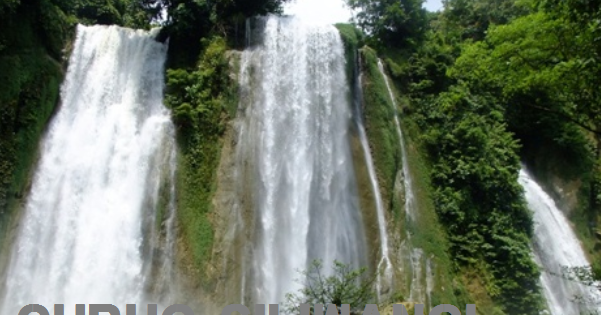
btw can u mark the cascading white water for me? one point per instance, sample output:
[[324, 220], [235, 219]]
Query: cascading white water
[[384, 265], [295, 137], [83, 236], [410, 207], [429, 281], [417, 292], [556, 247]]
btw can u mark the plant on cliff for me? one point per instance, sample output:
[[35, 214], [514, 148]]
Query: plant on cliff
[[199, 98], [343, 285], [474, 172]]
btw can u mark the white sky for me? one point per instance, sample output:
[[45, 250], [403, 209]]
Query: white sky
[[433, 5], [333, 11], [319, 11]]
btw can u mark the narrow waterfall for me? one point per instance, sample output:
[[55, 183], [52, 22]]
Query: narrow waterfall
[[410, 206], [89, 232], [429, 282], [417, 292], [294, 137], [556, 247], [384, 278]]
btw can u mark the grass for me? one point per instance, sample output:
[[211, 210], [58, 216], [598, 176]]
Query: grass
[[196, 178]]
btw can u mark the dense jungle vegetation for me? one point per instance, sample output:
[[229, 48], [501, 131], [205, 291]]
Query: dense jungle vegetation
[[489, 84]]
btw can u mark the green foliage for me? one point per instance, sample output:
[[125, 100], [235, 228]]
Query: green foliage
[[33, 34], [129, 13], [196, 96], [471, 18], [474, 172], [424, 72], [100, 11], [487, 68], [391, 22], [199, 100], [426, 231], [379, 113], [352, 39], [537, 61], [544, 69], [191, 20], [22, 120], [351, 36], [474, 166], [528, 54], [344, 285]]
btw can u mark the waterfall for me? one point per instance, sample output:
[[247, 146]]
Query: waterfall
[[417, 292], [556, 247], [410, 206], [89, 232], [294, 139], [429, 281], [385, 277]]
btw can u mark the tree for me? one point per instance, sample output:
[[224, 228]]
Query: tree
[[398, 23], [344, 286], [548, 63], [473, 17], [190, 20]]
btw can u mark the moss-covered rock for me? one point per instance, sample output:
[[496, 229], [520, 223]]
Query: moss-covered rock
[[201, 98]]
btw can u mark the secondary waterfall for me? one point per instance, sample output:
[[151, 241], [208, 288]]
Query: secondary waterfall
[[556, 247], [384, 278], [89, 232], [410, 206], [295, 137], [416, 255]]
